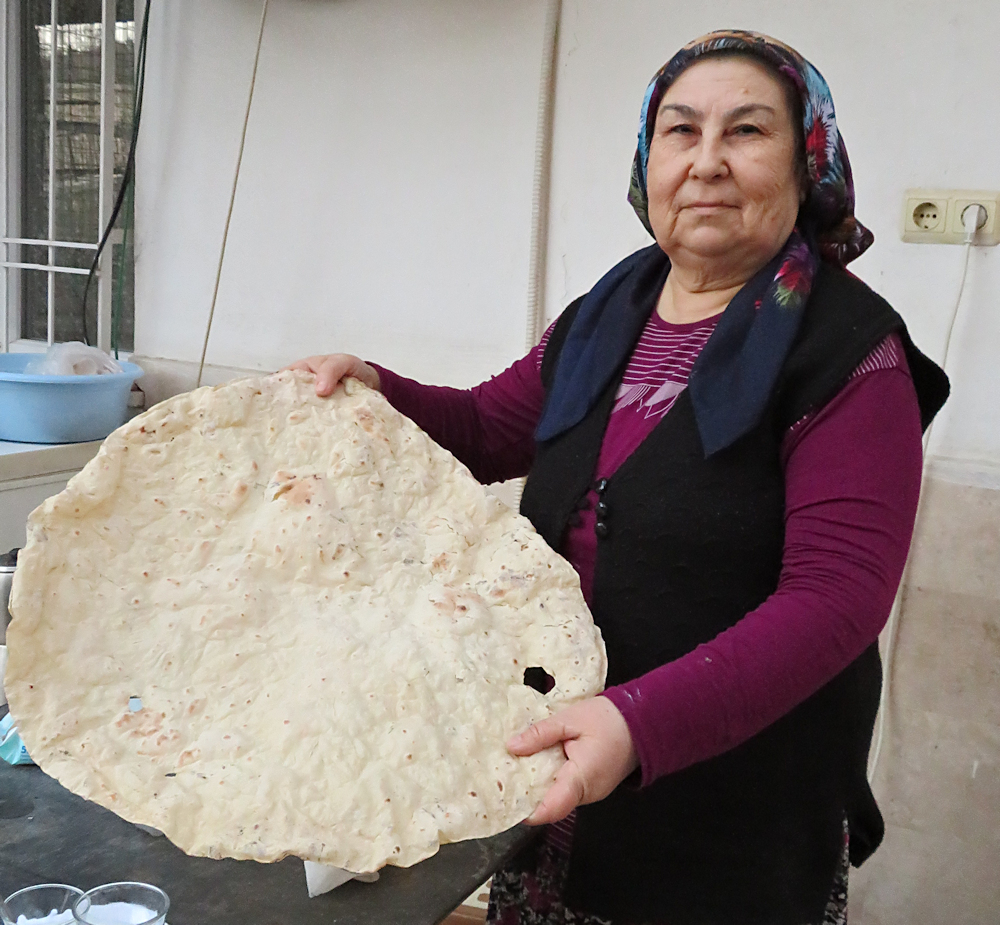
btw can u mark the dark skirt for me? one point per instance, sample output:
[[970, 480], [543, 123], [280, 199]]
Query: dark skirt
[[529, 890]]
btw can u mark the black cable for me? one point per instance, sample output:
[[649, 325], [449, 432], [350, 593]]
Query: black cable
[[140, 79]]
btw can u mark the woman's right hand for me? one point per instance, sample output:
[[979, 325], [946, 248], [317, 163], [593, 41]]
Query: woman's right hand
[[333, 367]]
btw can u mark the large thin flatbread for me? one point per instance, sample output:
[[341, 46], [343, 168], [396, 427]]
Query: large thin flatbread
[[325, 618]]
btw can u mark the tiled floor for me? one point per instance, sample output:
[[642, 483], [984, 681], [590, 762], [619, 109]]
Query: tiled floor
[[473, 910], [939, 779]]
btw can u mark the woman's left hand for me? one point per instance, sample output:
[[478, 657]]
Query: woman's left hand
[[598, 746]]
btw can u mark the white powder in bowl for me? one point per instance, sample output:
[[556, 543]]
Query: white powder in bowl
[[53, 918], [118, 914]]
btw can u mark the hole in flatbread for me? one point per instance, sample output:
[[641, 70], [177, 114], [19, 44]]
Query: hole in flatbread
[[135, 703], [539, 679]]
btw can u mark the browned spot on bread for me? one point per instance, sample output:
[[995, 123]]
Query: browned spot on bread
[[366, 419]]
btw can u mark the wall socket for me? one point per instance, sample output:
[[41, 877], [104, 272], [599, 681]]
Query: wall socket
[[934, 216]]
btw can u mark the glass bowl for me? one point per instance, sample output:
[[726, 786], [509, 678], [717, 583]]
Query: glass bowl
[[125, 903], [40, 902]]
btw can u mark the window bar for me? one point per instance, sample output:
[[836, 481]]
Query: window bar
[[46, 267], [106, 171], [5, 332], [53, 47], [73, 245], [10, 314]]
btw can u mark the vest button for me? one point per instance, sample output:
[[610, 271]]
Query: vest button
[[601, 529], [601, 510], [601, 486]]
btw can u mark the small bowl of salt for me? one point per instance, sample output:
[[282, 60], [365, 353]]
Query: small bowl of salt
[[45, 904], [122, 904]]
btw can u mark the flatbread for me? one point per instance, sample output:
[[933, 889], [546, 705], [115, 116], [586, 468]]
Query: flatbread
[[323, 621]]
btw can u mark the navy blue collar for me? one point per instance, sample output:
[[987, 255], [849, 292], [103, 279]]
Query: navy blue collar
[[733, 377]]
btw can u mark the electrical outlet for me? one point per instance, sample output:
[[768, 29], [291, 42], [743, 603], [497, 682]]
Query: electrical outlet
[[987, 232], [935, 216]]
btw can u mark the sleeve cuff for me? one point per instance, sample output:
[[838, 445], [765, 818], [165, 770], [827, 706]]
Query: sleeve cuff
[[626, 699]]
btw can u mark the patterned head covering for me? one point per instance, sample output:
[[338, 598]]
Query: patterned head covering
[[828, 211], [736, 372]]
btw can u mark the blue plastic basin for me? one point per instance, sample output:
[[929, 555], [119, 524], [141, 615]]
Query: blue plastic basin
[[60, 409]]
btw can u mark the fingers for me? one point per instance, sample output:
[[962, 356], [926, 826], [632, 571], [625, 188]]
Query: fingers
[[330, 368], [330, 371], [566, 793], [599, 751], [326, 368], [541, 735]]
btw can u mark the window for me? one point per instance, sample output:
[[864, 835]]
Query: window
[[69, 69]]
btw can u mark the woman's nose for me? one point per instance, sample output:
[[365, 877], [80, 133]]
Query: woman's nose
[[709, 161]]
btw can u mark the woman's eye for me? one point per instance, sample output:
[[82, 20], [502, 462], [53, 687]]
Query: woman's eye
[[681, 129], [747, 129]]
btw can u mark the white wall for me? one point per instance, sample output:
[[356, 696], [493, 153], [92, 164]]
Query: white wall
[[384, 200], [384, 204], [914, 84]]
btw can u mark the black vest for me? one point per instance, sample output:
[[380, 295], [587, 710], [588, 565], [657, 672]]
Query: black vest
[[753, 835]]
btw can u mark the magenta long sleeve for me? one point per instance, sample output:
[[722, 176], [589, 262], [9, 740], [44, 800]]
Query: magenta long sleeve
[[490, 428], [852, 477]]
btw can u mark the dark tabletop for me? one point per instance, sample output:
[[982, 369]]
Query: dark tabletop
[[49, 835]]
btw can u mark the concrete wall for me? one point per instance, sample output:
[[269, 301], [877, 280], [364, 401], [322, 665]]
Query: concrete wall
[[909, 79], [385, 194], [384, 208]]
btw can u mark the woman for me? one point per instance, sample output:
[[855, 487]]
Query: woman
[[741, 552]]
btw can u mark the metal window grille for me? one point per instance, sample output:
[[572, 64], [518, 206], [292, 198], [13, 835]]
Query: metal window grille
[[68, 69]]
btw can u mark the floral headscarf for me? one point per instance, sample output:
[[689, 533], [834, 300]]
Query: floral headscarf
[[733, 378], [829, 206]]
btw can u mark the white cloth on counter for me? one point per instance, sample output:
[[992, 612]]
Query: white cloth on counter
[[321, 878]]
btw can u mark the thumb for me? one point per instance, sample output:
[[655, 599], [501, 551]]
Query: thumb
[[541, 735], [567, 792], [328, 375]]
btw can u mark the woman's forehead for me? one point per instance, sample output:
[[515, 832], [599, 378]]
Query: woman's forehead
[[724, 82]]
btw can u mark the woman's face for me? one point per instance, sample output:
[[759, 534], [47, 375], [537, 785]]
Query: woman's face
[[722, 180]]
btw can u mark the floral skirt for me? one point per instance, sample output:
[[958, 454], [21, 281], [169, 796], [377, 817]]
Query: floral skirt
[[531, 894]]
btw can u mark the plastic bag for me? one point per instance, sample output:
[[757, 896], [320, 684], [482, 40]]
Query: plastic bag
[[12, 749], [72, 359]]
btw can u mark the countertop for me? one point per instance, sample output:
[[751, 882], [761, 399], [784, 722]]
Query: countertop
[[27, 460], [48, 834]]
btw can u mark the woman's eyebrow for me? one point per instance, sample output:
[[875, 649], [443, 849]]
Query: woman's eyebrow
[[740, 111], [688, 112]]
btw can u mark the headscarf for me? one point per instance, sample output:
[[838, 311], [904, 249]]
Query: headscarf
[[734, 376]]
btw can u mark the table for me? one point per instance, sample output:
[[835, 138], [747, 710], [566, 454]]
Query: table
[[48, 834]]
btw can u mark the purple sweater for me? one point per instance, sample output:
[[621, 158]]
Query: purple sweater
[[852, 479]]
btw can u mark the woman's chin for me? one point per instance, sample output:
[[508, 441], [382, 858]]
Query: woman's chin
[[708, 244]]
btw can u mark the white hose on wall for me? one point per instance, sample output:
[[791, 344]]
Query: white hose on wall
[[537, 261], [892, 624], [232, 196]]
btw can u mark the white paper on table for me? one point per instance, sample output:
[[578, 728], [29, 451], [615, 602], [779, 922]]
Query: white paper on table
[[321, 878]]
